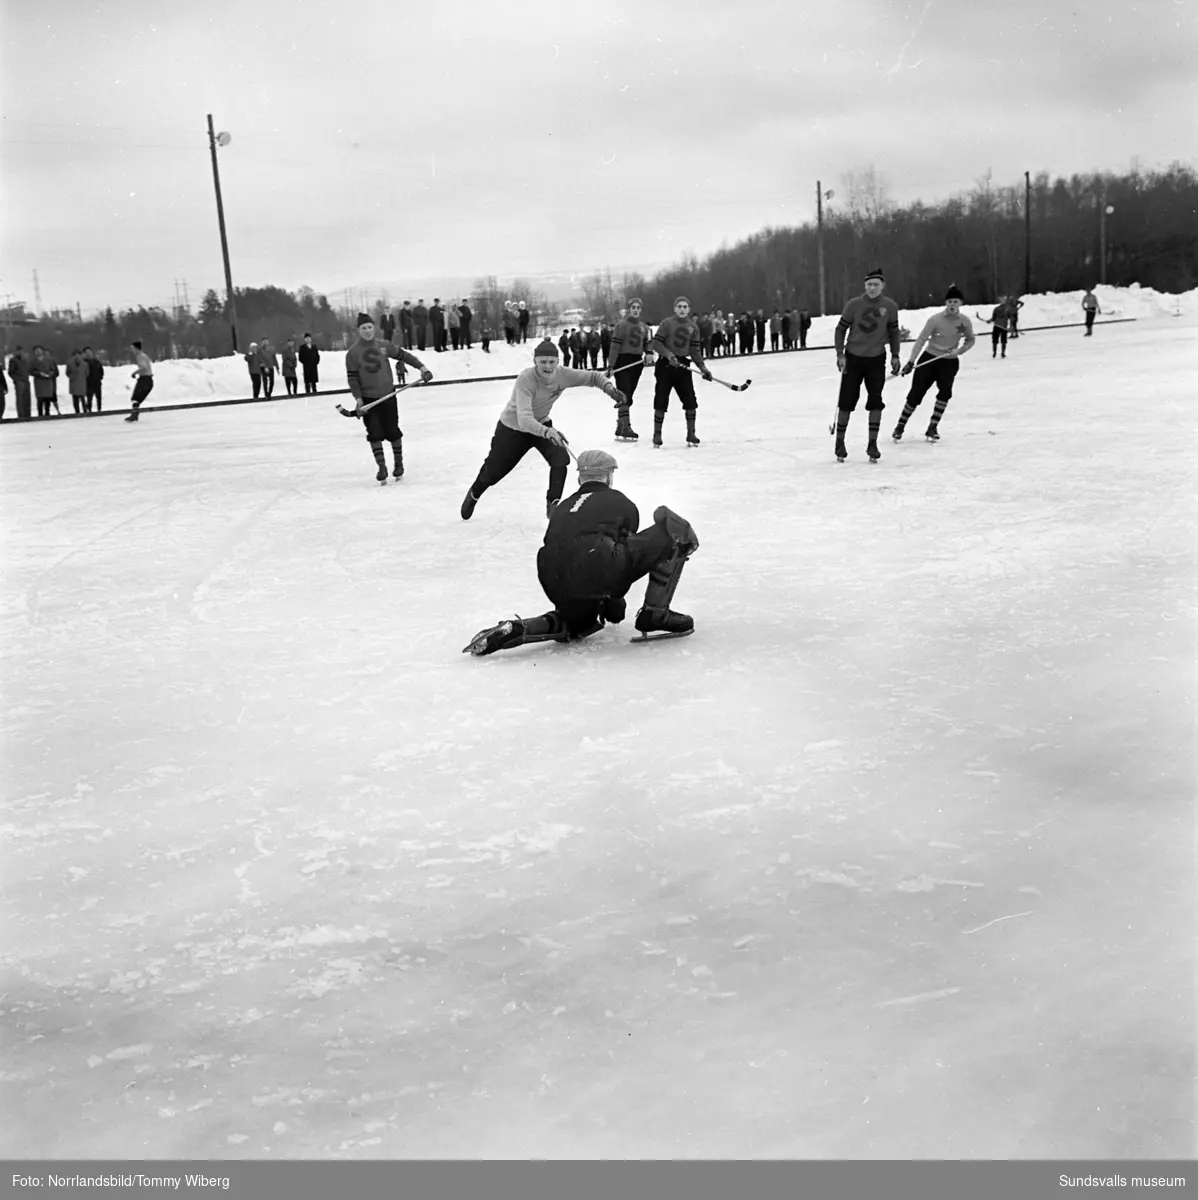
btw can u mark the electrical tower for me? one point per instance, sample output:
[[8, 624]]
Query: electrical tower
[[37, 295]]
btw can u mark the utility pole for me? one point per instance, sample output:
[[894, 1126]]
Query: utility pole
[[819, 218], [37, 295], [1027, 233], [1104, 210], [214, 140]]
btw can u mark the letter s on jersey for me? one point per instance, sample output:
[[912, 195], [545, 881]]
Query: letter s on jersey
[[371, 360]]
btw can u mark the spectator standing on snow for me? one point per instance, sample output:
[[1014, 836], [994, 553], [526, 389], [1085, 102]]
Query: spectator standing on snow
[[522, 321], [95, 380], [453, 322], [18, 372], [406, 322], [309, 357], [45, 380], [775, 330], [77, 381], [1091, 308], [387, 326], [436, 318], [270, 367], [255, 366], [804, 325], [420, 317], [466, 318], [290, 358]]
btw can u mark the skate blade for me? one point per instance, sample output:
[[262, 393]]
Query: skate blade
[[660, 635]]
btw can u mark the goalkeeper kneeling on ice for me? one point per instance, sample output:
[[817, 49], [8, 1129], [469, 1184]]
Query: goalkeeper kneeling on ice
[[591, 556]]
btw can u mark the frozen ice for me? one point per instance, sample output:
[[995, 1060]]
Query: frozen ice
[[893, 858]]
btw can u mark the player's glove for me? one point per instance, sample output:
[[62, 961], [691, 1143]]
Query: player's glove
[[895, 364], [908, 368], [648, 358], [555, 436], [426, 376], [616, 395], [705, 374]]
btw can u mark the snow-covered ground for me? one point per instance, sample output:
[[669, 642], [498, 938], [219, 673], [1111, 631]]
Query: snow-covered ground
[[894, 857], [186, 381]]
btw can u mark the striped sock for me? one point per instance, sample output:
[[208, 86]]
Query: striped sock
[[379, 456], [875, 423], [938, 412]]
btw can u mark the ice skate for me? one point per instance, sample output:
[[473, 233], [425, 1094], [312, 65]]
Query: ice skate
[[498, 637], [897, 435], [932, 434], [381, 475], [654, 624], [131, 419], [692, 439], [398, 472], [468, 505], [841, 452], [873, 452]]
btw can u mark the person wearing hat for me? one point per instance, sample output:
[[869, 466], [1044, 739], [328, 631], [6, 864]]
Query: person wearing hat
[[255, 365], [592, 554], [368, 372], [867, 326], [629, 356], [524, 425], [676, 342], [947, 335]]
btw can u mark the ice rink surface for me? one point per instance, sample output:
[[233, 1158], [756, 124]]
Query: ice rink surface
[[893, 858]]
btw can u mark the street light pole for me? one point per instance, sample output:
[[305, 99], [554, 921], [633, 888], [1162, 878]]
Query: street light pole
[[1104, 210], [224, 241], [1027, 233], [819, 218]]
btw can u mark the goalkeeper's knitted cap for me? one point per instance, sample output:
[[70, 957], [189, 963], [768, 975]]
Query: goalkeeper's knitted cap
[[953, 293], [593, 464], [365, 319], [545, 350], [636, 300], [681, 300], [876, 273]]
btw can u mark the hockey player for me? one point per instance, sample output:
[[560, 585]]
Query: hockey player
[[947, 335], [368, 372], [999, 321], [629, 356], [144, 374], [591, 556], [868, 324], [676, 343], [1091, 308], [524, 425]]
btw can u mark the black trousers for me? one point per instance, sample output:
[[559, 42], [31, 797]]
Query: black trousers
[[141, 389], [24, 398], [627, 380], [858, 370], [508, 447], [382, 422], [291, 384], [309, 384], [669, 379], [95, 393], [1090, 315], [580, 579], [256, 381], [268, 382], [998, 336], [942, 372]]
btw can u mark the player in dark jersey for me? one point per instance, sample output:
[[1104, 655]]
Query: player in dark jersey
[[368, 373], [591, 556], [676, 342], [867, 326], [629, 356]]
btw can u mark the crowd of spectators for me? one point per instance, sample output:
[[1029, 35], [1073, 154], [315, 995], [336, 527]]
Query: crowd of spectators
[[35, 378]]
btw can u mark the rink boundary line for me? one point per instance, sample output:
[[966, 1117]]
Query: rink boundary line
[[193, 404]]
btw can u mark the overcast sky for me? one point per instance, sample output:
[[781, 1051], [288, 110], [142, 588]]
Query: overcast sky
[[407, 141]]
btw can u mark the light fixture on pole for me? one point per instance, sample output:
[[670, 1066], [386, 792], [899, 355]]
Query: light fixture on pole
[[223, 139]]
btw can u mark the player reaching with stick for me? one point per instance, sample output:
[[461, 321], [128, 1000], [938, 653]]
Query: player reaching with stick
[[591, 556], [677, 344], [368, 372], [524, 425], [947, 335], [629, 355]]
